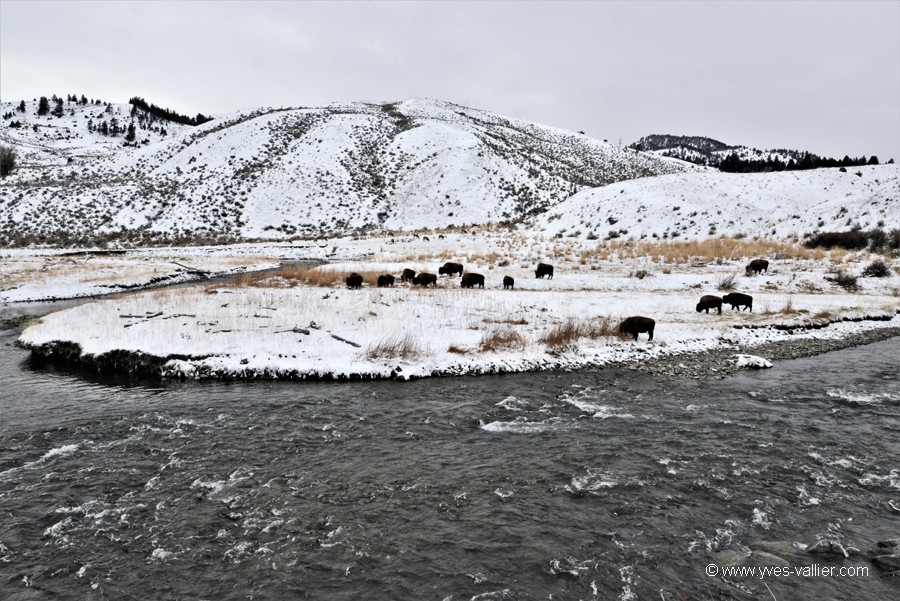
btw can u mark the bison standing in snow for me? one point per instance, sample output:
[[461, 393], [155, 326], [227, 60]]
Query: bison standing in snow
[[736, 299], [425, 279], [451, 269], [637, 325], [354, 280], [407, 275], [543, 269], [470, 280], [709, 301], [385, 280], [757, 266], [508, 282]]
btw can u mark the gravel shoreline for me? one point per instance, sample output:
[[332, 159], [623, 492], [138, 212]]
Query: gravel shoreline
[[717, 363]]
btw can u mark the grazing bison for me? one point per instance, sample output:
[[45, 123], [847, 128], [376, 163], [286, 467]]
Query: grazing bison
[[736, 299], [385, 281], [451, 269], [508, 282], [424, 279], [757, 266], [542, 270], [470, 280], [637, 325], [709, 301], [354, 280], [407, 275]]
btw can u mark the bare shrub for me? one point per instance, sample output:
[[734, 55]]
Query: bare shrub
[[877, 269], [456, 350], [639, 274], [8, 157], [844, 280], [403, 346], [502, 339], [823, 315], [726, 282]]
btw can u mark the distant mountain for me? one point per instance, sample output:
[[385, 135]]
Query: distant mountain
[[738, 159], [288, 172]]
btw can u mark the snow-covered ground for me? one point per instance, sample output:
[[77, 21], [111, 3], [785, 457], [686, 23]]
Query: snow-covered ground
[[276, 326]]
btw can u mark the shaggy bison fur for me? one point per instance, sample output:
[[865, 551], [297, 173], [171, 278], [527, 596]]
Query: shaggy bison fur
[[637, 325], [385, 280], [451, 269], [508, 282], [354, 280], [736, 299], [407, 275], [709, 301], [425, 279], [757, 266], [542, 270], [470, 280]]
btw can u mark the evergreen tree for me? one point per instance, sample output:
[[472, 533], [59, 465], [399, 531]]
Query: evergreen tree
[[873, 160], [43, 106], [58, 109], [21, 107], [130, 135], [84, 99]]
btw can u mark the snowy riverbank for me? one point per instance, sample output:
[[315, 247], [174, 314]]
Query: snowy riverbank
[[287, 326]]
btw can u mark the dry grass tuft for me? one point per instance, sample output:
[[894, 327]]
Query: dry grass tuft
[[457, 350], [565, 335], [402, 346], [291, 276], [823, 315], [502, 339], [726, 282]]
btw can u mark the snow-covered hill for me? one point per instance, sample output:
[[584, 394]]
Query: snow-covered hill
[[279, 173], [701, 205]]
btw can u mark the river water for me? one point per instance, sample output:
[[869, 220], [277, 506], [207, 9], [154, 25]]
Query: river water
[[603, 484]]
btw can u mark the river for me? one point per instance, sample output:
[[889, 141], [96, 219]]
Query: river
[[595, 484]]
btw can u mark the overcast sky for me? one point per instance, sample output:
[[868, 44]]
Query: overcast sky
[[817, 76]]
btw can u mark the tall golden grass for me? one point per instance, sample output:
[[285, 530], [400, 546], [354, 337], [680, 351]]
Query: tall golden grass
[[291, 276], [402, 346], [708, 250]]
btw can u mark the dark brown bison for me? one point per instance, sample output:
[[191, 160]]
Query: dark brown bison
[[407, 275], [354, 280], [709, 301], [424, 279], [470, 280], [757, 266], [385, 280], [736, 299], [508, 282], [451, 269], [637, 325], [544, 270]]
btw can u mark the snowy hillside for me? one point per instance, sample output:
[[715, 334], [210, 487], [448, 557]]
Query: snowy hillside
[[279, 173], [702, 205]]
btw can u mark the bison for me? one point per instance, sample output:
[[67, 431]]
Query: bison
[[709, 301], [385, 280], [407, 275], [470, 280], [508, 282], [736, 299], [451, 269], [542, 270], [757, 266], [354, 280], [424, 279], [637, 325]]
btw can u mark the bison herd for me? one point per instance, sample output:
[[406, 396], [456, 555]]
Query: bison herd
[[631, 326]]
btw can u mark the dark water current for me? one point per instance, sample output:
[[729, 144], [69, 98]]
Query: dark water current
[[588, 485]]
